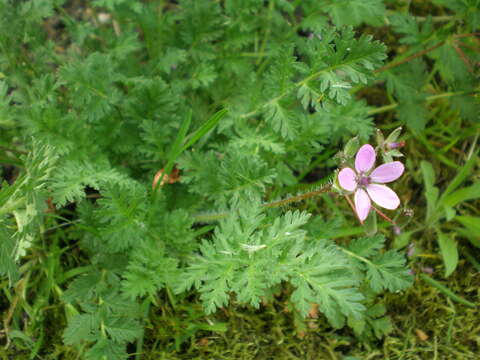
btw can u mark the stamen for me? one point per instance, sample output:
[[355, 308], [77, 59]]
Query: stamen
[[364, 180]]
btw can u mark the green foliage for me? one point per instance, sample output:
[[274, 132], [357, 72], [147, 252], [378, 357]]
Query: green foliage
[[241, 259], [5, 115], [247, 256], [91, 84], [69, 182], [107, 321], [236, 103], [338, 61], [342, 12], [407, 89], [453, 56], [413, 33], [238, 173], [356, 12], [23, 205], [444, 205], [147, 272], [383, 271], [468, 9]]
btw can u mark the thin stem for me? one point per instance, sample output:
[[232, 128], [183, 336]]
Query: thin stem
[[463, 57], [435, 18], [409, 58], [352, 254], [271, 5], [304, 196], [436, 153], [472, 259], [353, 208], [421, 53], [6, 148], [440, 18], [314, 164], [333, 67], [382, 109], [473, 145], [139, 345], [300, 197], [296, 85], [383, 215], [446, 291], [210, 217], [428, 98]]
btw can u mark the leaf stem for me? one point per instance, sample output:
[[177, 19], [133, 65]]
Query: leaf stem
[[352, 254], [296, 85], [268, 30], [139, 345]]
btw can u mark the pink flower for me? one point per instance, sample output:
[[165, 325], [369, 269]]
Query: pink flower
[[366, 184]]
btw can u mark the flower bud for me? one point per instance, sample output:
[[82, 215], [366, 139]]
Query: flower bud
[[393, 135], [411, 250], [380, 137], [395, 145], [427, 270], [351, 147], [336, 185], [396, 230]]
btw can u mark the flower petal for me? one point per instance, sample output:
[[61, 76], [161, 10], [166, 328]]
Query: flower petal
[[362, 204], [365, 158], [383, 196], [387, 172], [346, 179]]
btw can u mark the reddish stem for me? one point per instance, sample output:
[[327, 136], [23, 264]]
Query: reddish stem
[[384, 216], [463, 57], [353, 208], [423, 52], [299, 197]]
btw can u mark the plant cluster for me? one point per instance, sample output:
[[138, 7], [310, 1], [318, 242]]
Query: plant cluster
[[163, 147]]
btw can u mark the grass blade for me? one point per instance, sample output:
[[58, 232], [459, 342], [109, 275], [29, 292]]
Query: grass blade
[[176, 148], [205, 128], [464, 172], [446, 291]]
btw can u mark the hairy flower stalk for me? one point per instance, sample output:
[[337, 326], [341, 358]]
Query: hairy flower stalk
[[367, 184]]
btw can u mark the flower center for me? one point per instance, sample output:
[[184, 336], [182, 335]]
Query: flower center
[[363, 180]]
